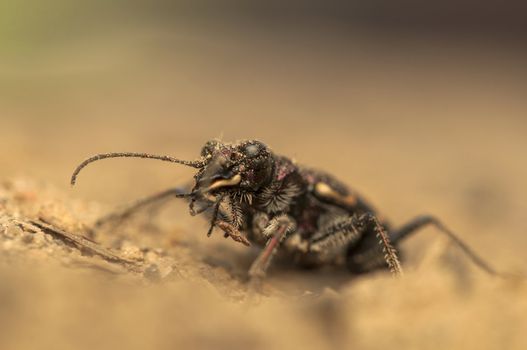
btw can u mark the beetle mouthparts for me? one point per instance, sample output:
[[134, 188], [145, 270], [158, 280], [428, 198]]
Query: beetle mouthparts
[[233, 181]]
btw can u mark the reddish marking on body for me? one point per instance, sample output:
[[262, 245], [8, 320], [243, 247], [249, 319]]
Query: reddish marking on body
[[282, 173]]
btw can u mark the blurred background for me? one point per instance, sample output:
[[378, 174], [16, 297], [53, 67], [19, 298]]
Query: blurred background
[[420, 106]]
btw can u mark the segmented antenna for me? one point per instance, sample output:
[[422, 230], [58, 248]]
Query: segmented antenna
[[195, 164]]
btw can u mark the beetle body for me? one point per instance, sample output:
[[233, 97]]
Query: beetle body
[[256, 196], [323, 221]]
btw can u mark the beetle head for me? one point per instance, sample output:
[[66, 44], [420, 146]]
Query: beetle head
[[243, 166]]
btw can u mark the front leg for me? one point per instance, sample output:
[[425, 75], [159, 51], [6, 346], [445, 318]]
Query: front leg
[[231, 231], [276, 231], [228, 217]]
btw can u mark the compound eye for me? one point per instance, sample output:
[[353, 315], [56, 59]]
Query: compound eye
[[253, 150]]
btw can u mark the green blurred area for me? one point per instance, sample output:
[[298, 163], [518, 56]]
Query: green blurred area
[[27, 25]]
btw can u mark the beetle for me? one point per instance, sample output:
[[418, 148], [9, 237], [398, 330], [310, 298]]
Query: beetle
[[256, 196]]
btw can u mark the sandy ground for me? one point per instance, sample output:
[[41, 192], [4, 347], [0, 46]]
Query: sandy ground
[[417, 127]]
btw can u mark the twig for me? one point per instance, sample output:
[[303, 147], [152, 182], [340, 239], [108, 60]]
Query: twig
[[84, 244]]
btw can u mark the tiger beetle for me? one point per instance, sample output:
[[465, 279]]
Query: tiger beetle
[[258, 197]]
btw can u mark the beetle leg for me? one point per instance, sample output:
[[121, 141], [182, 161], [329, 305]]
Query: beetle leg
[[119, 216], [276, 231], [351, 233], [231, 231], [214, 217], [335, 237], [425, 220]]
